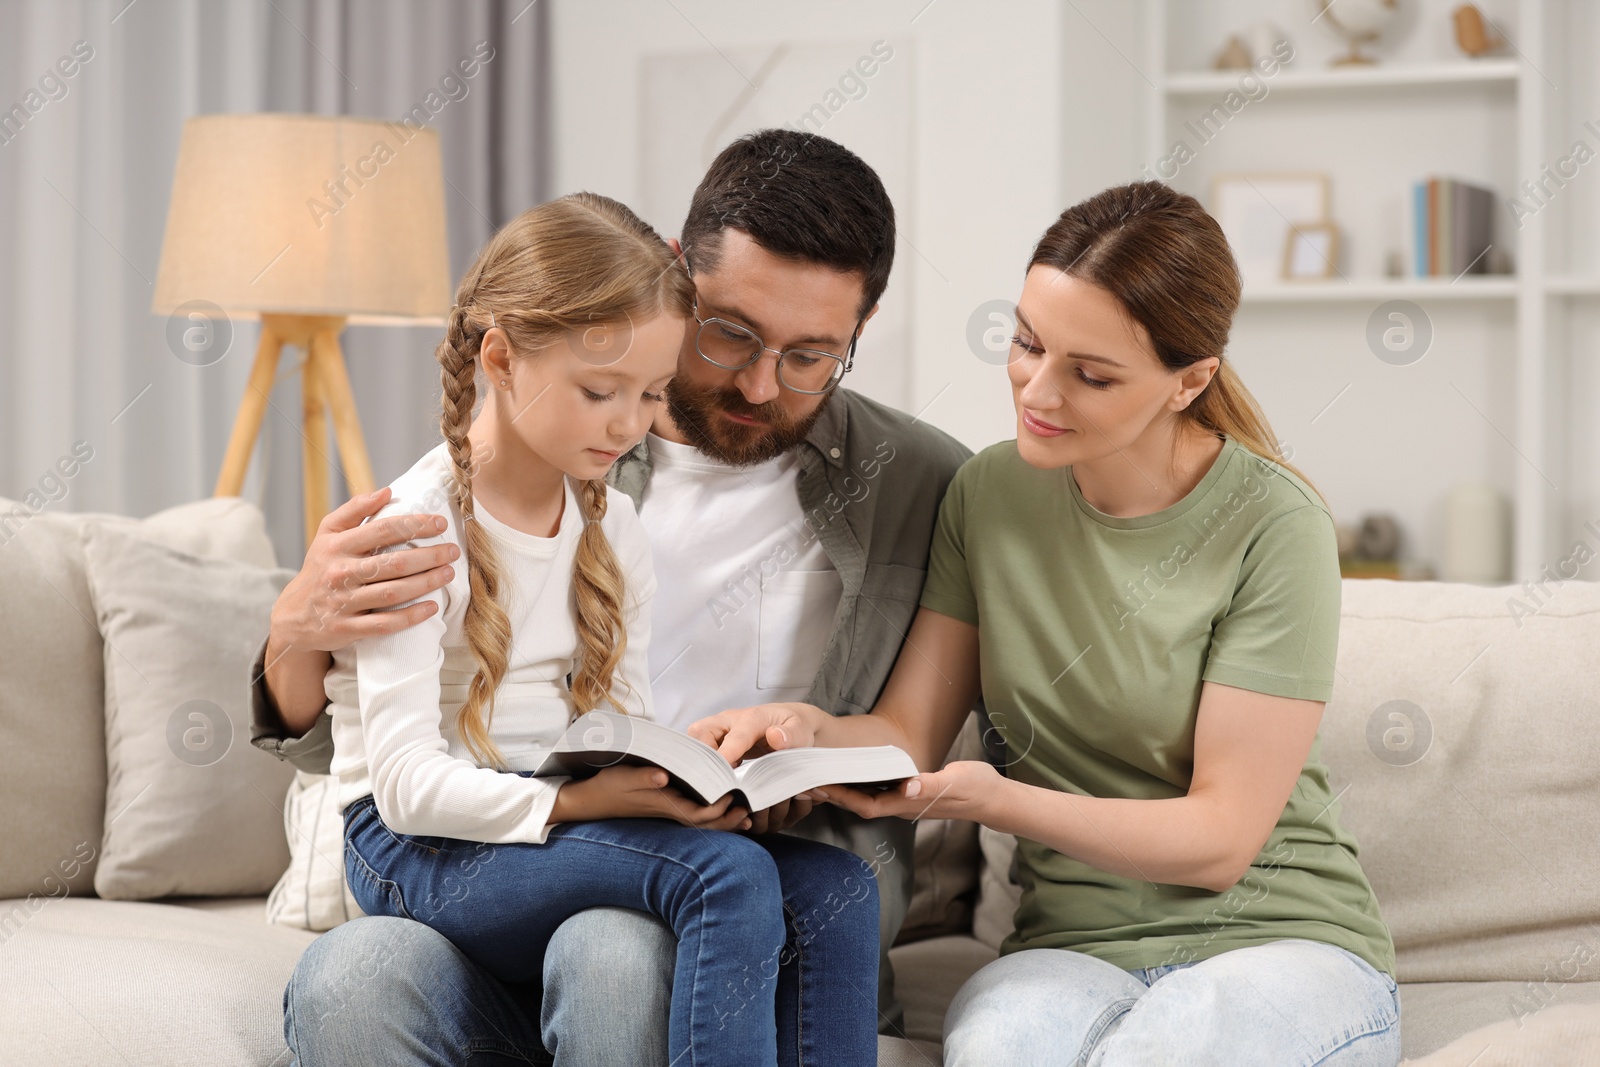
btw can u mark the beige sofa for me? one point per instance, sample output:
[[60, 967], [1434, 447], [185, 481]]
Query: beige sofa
[[1477, 826]]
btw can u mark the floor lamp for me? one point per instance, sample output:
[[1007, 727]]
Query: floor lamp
[[307, 223]]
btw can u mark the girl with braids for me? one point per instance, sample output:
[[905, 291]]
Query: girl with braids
[[1146, 596], [572, 318]]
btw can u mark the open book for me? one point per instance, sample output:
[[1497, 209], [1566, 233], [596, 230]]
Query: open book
[[602, 739]]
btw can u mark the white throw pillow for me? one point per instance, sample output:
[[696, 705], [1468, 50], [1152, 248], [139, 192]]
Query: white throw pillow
[[313, 894]]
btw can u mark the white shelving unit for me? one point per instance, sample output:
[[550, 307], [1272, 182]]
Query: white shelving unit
[[1535, 298], [1567, 285], [1216, 82], [1471, 287]]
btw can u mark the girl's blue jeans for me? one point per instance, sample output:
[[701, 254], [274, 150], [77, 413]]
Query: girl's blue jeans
[[777, 937]]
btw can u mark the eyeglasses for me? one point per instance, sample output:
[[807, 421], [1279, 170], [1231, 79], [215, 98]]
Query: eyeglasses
[[802, 370]]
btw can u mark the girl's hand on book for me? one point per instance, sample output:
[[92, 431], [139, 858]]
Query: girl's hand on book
[[745, 733], [962, 790], [627, 792]]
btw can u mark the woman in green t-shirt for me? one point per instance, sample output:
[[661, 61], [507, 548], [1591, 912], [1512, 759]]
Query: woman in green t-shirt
[[1147, 599]]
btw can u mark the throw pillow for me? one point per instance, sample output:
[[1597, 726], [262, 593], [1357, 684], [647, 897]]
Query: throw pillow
[[312, 894], [191, 809]]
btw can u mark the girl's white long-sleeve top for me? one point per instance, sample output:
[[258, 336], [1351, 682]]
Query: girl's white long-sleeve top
[[395, 696]]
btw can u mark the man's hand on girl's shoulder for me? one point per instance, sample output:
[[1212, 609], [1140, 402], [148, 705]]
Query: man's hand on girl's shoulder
[[350, 587]]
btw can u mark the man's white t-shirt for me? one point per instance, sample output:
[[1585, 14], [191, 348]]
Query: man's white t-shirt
[[746, 595]]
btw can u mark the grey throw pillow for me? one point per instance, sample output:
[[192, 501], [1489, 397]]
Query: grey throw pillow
[[191, 808]]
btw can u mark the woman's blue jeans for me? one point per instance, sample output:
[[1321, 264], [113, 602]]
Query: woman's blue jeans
[[777, 937], [1289, 1003]]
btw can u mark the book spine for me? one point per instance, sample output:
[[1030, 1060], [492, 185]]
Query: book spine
[[1480, 227], [1447, 221], [1433, 226], [1419, 228]]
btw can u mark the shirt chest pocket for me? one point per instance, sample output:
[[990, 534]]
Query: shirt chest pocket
[[797, 609]]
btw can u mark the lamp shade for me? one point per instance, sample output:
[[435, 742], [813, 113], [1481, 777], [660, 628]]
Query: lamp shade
[[308, 215]]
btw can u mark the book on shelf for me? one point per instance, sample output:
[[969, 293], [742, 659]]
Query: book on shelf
[[604, 739], [1452, 224]]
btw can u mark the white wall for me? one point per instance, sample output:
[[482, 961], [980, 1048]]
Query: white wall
[[1016, 110], [989, 170]]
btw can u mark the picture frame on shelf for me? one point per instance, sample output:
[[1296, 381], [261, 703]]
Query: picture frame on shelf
[[1257, 211], [1311, 252]]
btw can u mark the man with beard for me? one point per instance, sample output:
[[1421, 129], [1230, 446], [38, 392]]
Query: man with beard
[[789, 520]]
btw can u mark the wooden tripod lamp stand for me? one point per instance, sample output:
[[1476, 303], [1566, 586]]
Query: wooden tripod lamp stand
[[307, 223]]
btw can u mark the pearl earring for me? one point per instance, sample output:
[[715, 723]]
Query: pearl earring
[[504, 383]]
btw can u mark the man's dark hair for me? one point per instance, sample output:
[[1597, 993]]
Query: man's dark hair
[[799, 196]]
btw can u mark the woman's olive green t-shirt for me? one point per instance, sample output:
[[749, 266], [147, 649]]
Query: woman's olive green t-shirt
[[1095, 634]]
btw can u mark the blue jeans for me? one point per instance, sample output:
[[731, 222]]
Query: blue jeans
[[1290, 1003], [384, 990], [775, 936]]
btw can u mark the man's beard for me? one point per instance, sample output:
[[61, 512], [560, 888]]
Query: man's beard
[[696, 412]]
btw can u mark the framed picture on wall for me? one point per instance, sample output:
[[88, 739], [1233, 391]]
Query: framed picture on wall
[[1311, 252], [1257, 212]]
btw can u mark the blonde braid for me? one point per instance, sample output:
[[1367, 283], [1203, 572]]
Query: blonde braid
[[487, 629], [555, 270], [598, 590]]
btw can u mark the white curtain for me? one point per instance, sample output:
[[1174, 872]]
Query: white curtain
[[86, 165]]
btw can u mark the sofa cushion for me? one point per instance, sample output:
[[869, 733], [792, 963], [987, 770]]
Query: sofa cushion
[[52, 732], [95, 982], [1499, 1024], [999, 893], [52, 738], [252, 911], [898, 1052], [191, 807], [946, 880], [928, 973], [1462, 741]]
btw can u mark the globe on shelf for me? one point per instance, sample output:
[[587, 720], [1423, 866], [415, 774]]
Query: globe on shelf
[[1359, 22]]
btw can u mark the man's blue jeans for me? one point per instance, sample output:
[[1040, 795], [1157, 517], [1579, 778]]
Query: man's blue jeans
[[775, 936], [393, 991]]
